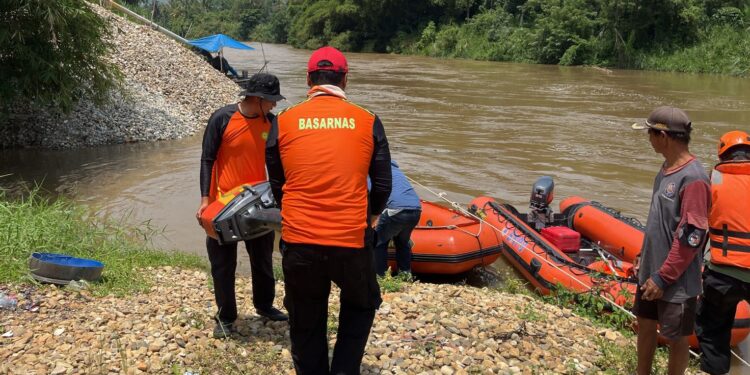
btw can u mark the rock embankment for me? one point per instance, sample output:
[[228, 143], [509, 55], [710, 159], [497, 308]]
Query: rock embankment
[[168, 92], [425, 328]]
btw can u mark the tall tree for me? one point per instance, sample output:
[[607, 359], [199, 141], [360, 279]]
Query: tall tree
[[53, 52]]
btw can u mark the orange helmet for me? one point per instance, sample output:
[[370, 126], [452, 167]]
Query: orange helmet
[[731, 139]]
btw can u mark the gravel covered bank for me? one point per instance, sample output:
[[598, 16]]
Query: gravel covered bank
[[425, 328], [168, 92]]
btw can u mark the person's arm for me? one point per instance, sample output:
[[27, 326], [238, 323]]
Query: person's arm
[[380, 170], [273, 162], [690, 236], [210, 148]]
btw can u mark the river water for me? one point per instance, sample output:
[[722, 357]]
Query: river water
[[461, 127]]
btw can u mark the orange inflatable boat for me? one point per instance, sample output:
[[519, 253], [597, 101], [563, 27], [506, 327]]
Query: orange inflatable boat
[[622, 237], [449, 242], [619, 235], [546, 266]]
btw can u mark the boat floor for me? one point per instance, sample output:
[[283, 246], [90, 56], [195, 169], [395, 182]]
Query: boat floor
[[589, 252]]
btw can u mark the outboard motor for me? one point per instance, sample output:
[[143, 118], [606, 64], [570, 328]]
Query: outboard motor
[[251, 214], [542, 193]]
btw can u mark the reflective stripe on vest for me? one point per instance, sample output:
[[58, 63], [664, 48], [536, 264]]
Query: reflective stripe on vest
[[729, 220]]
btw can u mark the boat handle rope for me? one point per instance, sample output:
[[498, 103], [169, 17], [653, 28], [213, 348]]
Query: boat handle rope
[[457, 206]]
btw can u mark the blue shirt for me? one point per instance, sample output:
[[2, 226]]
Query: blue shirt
[[403, 196]]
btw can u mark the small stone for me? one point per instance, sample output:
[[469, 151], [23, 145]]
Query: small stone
[[59, 369], [445, 370], [611, 335], [156, 345]]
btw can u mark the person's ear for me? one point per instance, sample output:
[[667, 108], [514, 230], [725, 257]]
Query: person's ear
[[344, 81], [309, 82]]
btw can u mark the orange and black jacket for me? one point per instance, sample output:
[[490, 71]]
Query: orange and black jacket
[[233, 151], [730, 214], [319, 154]]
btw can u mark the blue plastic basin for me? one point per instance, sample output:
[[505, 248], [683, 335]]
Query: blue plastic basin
[[61, 268]]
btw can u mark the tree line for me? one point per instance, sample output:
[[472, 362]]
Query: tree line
[[685, 35]]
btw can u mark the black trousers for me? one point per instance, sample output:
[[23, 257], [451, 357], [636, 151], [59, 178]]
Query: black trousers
[[223, 260], [716, 310], [308, 272]]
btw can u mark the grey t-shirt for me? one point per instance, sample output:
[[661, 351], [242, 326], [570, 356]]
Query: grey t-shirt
[[662, 230]]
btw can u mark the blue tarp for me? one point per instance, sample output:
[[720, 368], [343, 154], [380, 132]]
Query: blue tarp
[[214, 43]]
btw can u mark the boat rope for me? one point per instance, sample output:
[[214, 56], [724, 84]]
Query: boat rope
[[458, 207], [451, 227], [458, 228]]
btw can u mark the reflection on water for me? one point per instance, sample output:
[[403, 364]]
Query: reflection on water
[[462, 127]]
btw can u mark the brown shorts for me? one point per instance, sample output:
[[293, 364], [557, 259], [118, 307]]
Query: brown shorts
[[675, 319]]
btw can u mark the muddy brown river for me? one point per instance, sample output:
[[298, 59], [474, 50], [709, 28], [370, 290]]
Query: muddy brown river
[[465, 128]]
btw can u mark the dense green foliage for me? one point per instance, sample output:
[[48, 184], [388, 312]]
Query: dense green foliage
[[237, 18], [685, 35], [33, 223], [53, 52]]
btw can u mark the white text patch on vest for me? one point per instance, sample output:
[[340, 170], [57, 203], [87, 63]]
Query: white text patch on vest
[[326, 123]]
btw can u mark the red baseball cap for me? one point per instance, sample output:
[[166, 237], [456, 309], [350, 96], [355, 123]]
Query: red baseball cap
[[327, 58]]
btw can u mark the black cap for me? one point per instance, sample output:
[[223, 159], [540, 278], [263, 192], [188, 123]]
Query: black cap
[[263, 85]]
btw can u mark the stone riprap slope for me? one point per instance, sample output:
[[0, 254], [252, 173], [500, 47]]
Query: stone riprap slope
[[168, 92], [425, 328]]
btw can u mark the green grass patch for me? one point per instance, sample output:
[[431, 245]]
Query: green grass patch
[[513, 284], [34, 223], [278, 272], [392, 284], [593, 307], [529, 313], [720, 50]]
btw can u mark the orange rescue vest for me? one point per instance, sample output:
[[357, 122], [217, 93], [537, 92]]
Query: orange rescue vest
[[241, 161], [326, 145], [730, 214]]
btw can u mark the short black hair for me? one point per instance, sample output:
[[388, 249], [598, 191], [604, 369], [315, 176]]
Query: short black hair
[[680, 137], [737, 152], [327, 77]]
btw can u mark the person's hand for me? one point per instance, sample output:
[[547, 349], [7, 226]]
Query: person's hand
[[374, 220], [651, 291], [204, 204]]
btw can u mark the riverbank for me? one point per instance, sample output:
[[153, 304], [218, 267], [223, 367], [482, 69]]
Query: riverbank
[[152, 313], [35, 223], [430, 328], [168, 92]]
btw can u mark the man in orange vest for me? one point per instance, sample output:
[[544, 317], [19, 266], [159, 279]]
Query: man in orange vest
[[233, 155], [319, 155], [726, 279], [669, 266]]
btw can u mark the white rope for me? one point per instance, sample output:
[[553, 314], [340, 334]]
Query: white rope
[[443, 195]]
